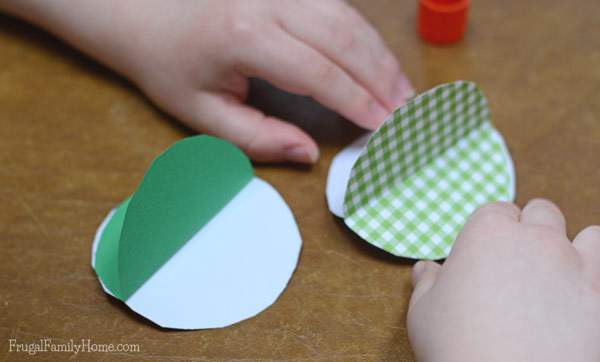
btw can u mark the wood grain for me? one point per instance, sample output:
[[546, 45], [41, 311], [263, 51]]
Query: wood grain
[[75, 140]]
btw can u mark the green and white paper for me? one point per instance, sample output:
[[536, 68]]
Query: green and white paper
[[202, 243], [410, 186]]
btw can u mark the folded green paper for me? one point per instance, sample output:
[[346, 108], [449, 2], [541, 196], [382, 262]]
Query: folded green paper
[[409, 188]]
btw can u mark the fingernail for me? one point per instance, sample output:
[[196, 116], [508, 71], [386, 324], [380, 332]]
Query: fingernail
[[378, 112], [302, 154]]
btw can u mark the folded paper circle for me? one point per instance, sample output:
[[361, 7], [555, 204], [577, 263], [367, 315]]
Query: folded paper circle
[[239, 258], [411, 188]]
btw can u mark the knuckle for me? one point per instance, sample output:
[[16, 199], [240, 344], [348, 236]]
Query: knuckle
[[251, 144], [592, 231], [327, 72], [491, 217], [241, 27]]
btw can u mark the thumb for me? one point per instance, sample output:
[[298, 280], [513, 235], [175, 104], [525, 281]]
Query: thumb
[[263, 138], [424, 275]]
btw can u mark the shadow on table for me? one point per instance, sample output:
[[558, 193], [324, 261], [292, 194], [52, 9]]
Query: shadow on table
[[324, 125]]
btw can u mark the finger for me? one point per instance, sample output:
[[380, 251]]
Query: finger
[[587, 243], [496, 210], [424, 275], [342, 35], [295, 67], [263, 138], [545, 213]]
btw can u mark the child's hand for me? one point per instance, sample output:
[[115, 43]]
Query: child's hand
[[193, 58], [514, 288]]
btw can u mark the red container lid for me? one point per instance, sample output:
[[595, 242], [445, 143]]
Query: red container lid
[[442, 21]]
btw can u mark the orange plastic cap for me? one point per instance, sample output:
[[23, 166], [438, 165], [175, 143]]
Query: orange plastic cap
[[442, 21]]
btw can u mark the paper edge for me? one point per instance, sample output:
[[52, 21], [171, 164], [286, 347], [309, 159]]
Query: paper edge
[[95, 244], [509, 162]]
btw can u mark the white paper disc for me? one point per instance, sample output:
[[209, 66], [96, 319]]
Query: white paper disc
[[236, 266]]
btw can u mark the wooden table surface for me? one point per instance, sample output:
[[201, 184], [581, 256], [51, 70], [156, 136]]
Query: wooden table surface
[[75, 139]]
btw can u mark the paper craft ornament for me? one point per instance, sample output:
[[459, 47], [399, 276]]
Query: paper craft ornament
[[409, 187], [202, 243]]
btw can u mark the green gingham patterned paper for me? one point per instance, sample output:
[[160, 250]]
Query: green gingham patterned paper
[[425, 170]]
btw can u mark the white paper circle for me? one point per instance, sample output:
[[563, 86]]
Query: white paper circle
[[236, 266], [339, 174]]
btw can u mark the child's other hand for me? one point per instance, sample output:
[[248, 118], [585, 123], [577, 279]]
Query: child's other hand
[[514, 288], [193, 58]]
